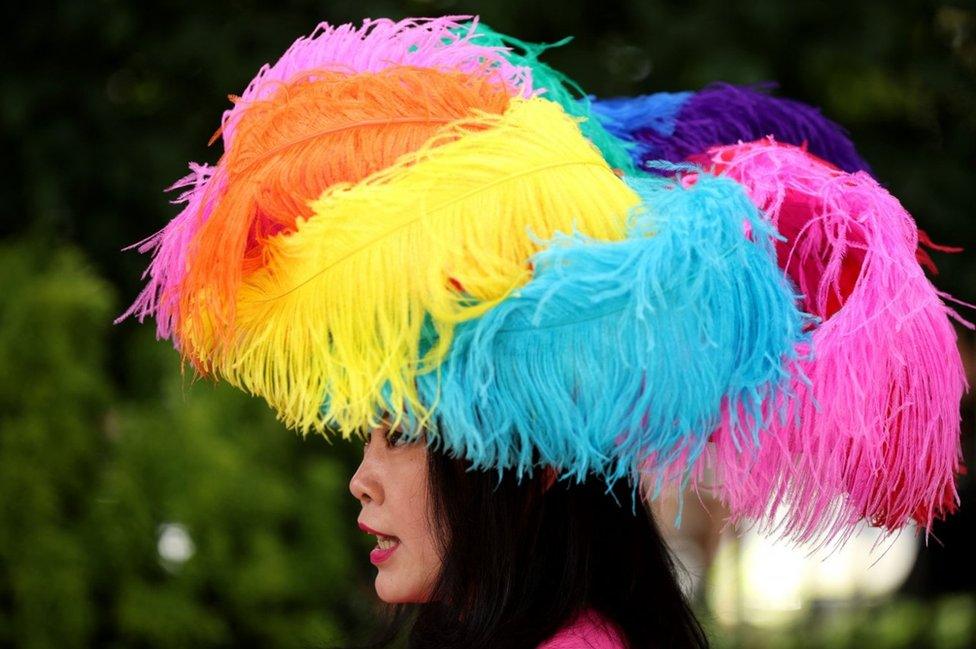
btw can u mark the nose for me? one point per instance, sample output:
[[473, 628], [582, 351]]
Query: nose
[[365, 485]]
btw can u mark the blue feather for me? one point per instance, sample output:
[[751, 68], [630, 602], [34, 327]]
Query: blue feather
[[619, 357], [622, 116]]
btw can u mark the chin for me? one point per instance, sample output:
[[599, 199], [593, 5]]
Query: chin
[[394, 591]]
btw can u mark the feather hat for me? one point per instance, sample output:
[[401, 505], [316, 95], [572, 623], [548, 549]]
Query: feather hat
[[419, 223]]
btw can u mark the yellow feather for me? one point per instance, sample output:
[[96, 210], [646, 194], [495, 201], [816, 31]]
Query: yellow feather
[[338, 308]]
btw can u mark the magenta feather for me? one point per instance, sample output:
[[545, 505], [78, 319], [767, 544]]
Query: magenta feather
[[170, 245], [874, 431]]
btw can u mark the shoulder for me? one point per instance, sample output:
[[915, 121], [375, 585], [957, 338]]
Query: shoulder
[[589, 630]]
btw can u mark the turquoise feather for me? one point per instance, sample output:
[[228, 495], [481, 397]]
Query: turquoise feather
[[621, 357]]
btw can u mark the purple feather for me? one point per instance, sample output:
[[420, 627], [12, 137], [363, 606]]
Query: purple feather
[[724, 114]]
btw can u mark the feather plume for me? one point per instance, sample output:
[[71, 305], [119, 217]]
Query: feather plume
[[619, 356], [169, 247], [629, 118], [674, 125], [439, 44], [555, 86], [445, 43], [874, 433], [310, 136], [338, 307]]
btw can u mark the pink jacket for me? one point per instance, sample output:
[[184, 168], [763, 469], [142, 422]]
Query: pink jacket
[[589, 630]]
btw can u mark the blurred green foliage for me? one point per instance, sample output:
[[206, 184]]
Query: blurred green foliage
[[91, 479], [106, 445]]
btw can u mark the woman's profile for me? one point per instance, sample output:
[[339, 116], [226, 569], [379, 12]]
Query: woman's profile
[[422, 238], [501, 563]]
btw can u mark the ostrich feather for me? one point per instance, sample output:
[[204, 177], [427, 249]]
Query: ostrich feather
[[675, 125], [874, 433], [556, 86], [619, 356], [445, 234]]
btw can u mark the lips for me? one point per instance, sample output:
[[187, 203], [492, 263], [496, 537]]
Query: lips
[[367, 529], [379, 555], [386, 545]]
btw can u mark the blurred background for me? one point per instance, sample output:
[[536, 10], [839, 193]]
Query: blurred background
[[142, 508]]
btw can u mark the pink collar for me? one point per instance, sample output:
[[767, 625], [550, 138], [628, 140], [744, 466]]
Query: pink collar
[[589, 630]]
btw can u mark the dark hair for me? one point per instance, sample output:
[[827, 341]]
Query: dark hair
[[520, 560]]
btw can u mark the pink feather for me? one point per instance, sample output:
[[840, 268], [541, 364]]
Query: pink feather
[[873, 428], [159, 298]]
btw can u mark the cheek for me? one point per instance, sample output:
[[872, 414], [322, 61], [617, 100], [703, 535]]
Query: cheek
[[410, 574]]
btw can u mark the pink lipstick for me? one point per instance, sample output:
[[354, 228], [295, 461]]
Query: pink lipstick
[[378, 555]]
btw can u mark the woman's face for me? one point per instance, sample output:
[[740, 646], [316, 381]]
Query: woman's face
[[391, 486]]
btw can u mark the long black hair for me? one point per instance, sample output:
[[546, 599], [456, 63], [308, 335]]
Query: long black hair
[[522, 557]]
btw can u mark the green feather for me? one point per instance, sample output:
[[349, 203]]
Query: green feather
[[561, 89]]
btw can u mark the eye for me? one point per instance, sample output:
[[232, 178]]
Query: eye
[[397, 439]]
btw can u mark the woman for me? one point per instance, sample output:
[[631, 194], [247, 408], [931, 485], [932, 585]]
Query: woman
[[404, 234], [495, 563]]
